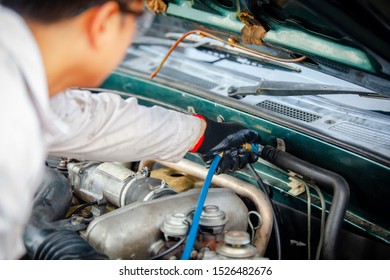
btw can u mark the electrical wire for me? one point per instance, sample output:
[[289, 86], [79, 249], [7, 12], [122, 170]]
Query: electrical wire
[[323, 214], [262, 187], [76, 211], [174, 247], [308, 199], [323, 217]]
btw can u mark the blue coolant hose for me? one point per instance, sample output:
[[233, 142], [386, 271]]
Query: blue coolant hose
[[195, 220]]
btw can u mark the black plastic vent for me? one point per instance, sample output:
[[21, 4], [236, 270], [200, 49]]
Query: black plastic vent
[[334, 65], [186, 78], [288, 111]]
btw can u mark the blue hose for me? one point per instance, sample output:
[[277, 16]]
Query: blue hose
[[195, 221]]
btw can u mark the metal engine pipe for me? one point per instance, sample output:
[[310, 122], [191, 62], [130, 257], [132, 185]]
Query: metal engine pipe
[[241, 188]]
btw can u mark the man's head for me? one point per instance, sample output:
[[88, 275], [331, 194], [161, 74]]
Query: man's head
[[81, 41], [49, 11]]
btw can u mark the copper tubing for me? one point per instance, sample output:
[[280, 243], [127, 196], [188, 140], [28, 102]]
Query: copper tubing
[[241, 188], [232, 44]]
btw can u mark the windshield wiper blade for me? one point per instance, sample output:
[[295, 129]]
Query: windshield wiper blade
[[213, 44], [281, 88]]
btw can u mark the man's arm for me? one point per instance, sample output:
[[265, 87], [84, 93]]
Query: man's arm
[[106, 127]]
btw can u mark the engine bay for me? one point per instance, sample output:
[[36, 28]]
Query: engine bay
[[144, 210], [117, 213]]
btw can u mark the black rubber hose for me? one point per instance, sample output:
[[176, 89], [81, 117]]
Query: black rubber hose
[[66, 245], [42, 238], [329, 181]]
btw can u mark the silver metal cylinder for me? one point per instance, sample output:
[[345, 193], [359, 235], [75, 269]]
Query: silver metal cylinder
[[212, 220], [175, 226], [240, 187], [113, 179], [117, 184], [236, 246]]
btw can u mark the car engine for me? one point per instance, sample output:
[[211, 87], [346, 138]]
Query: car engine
[[107, 210]]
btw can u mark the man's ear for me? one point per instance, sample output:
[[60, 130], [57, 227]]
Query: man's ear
[[98, 22]]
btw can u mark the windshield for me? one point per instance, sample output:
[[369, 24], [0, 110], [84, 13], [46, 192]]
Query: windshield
[[361, 119]]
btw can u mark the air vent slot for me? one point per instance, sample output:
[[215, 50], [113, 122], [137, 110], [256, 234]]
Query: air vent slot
[[186, 78], [288, 111], [130, 56], [333, 65], [363, 134]]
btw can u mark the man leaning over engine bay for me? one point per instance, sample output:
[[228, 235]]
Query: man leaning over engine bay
[[47, 49]]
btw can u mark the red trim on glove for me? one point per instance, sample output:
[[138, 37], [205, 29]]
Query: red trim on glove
[[200, 141]]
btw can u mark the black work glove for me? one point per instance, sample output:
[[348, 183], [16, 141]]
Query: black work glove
[[227, 138]]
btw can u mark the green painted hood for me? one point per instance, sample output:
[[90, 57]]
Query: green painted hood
[[347, 39]]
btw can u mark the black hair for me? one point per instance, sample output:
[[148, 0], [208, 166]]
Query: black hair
[[53, 10]]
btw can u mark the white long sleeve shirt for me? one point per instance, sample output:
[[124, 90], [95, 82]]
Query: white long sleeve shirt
[[74, 124]]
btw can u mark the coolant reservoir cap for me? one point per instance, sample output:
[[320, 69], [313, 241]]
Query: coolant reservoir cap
[[175, 225], [237, 238], [237, 246], [213, 216]]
